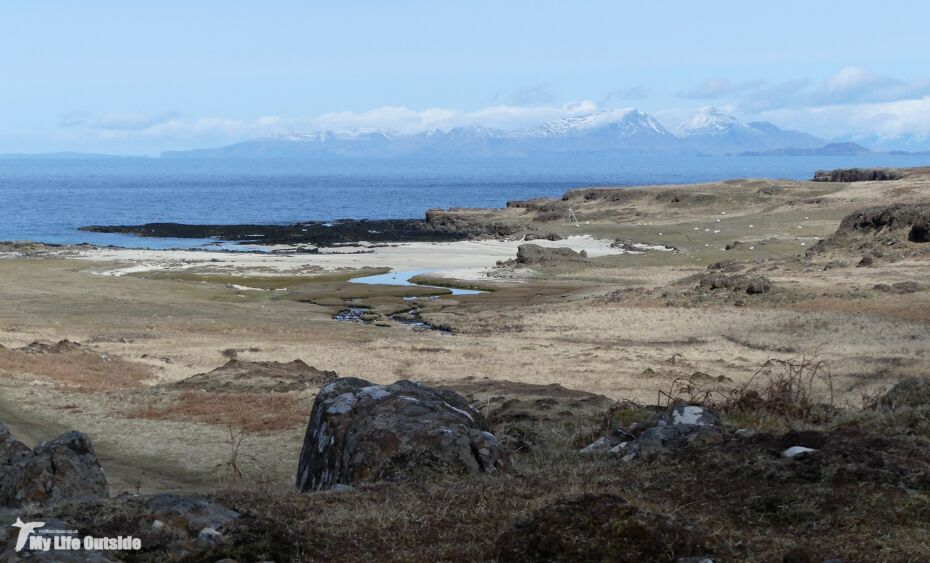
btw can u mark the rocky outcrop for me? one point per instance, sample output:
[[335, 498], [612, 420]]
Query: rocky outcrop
[[890, 231], [60, 347], [741, 283], [238, 376], [463, 225], [359, 431], [61, 469], [680, 426], [886, 218], [539, 236], [596, 527], [535, 255], [857, 175]]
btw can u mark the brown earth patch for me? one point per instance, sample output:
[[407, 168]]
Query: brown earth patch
[[71, 365], [252, 412]]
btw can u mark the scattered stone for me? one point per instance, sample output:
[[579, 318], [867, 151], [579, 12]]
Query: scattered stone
[[680, 426], [741, 283], [197, 517], [866, 262], [168, 527], [795, 451], [60, 469], [727, 266], [60, 347], [359, 431], [537, 236]]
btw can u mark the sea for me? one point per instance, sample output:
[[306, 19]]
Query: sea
[[47, 199]]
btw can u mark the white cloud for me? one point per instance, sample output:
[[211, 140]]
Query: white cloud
[[853, 102], [855, 84], [407, 120], [848, 85], [883, 119], [116, 121]]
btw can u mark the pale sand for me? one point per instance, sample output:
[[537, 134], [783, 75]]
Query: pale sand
[[466, 260]]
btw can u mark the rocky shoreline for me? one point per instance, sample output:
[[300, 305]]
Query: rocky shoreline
[[437, 226]]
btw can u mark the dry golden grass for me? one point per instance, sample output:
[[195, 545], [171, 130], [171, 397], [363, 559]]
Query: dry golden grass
[[251, 412], [78, 370], [908, 308]]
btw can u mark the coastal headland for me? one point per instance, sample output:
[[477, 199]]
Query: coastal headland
[[788, 308]]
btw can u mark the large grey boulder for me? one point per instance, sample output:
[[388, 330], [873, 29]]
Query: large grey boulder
[[359, 431], [60, 469]]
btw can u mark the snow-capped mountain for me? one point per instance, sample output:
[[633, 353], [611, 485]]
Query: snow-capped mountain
[[326, 136], [712, 131], [604, 133], [624, 122], [711, 122]]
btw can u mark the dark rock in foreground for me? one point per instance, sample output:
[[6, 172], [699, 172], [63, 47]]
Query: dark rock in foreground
[[857, 175], [596, 527], [61, 469], [360, 431], [168, 527]]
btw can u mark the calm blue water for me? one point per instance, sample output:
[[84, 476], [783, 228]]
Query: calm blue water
[[403, 279], [47, 200]]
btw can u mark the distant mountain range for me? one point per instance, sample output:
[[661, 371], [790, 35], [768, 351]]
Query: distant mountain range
[[714, 132], [832, 149], [606, 133]]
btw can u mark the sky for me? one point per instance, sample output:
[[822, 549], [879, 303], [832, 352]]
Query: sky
[[142, 77]]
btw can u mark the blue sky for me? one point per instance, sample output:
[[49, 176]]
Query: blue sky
[[141, 77]]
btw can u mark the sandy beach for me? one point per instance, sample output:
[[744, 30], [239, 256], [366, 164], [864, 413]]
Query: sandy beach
[[464, 260]]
